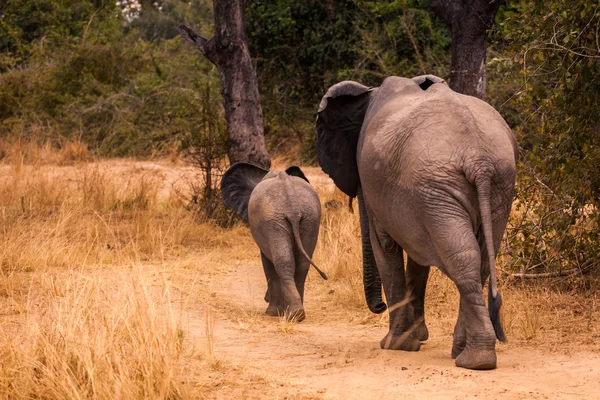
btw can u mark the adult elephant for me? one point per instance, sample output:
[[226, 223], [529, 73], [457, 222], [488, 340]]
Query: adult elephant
[[434, 172]]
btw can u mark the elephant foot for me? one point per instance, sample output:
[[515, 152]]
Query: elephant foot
[[273, 311], [421, 332], [297, 315], [458, 345], [405, 341], [457, 348], [476, 359]]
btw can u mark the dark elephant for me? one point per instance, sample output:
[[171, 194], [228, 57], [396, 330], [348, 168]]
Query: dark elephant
[[283, 212], [434, 172]]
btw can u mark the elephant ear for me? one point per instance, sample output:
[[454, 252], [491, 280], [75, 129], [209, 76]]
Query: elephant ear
[[237, 185], [296, 171], [424, 81], [339, 121]]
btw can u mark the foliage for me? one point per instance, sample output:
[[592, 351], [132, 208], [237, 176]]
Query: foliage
[[399, 37], [48, 22], [107, 86], [298, 48], [160, 19], [553, 64], [302, 48]]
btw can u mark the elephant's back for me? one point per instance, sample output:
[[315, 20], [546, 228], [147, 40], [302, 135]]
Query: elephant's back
[[437, 130], [283, 196]]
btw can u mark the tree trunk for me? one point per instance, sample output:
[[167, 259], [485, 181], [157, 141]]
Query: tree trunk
[[469, 21], [228, 50]]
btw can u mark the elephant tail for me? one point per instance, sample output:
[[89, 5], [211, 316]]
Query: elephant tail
[[296, 231], [483, 184]]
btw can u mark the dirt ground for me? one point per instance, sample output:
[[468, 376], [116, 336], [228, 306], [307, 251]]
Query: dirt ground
[[327, 356], [335, 354]]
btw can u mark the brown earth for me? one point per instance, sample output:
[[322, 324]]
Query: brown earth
[[328, 356]]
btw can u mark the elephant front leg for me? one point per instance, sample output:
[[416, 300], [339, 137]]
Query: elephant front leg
[[390, 263], [416, 282]]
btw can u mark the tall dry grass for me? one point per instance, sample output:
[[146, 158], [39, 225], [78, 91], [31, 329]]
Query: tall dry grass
[[339, 249], [86, 338], [51, 220], [96, 266], [19, 150], [87, 215]]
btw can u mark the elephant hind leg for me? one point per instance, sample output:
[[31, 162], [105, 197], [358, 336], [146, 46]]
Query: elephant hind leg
[[474, 337], [302, 267], [416, 282], [273, 296], [459, 339], [479, 349], [390, 263], [285, 267], [309, 234]]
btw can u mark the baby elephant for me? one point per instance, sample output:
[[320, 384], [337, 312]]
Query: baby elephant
[[284, 212]]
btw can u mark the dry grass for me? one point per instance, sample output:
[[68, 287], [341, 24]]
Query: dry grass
[[249, 320], [66, 331], [287, 325], [19, 151], [96, 272], [87, 216], [50, 221], [339, 248], [90, 339]]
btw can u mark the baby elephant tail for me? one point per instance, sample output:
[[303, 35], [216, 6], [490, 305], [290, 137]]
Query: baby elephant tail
[[296, 231]]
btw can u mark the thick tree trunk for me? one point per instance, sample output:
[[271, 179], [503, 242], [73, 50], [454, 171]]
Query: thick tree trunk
[[469, 21], [228, 50]]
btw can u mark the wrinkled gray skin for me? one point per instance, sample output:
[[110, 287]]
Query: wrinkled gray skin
[[434, 172], [283, 212]]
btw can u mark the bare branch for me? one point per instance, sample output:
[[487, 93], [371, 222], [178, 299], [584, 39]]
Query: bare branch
[[597, 42], [412, 39], [206, 46], [565, 272], [566, 49]]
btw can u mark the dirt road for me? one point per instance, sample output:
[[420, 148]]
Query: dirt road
[[331, 357]]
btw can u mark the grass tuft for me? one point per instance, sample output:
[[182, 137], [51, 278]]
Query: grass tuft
[[86, 338]]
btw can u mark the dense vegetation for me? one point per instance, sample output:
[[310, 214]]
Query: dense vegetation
[[116, 76], [80, 69]]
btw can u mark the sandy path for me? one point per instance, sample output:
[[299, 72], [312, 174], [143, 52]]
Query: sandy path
[[332, 356], [328, 357]]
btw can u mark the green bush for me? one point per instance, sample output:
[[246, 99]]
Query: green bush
[[545, 81], [302, 48], [101, 83]]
